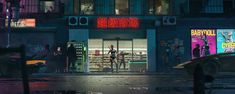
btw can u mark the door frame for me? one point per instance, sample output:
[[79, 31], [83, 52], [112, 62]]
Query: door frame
[[117, 39]]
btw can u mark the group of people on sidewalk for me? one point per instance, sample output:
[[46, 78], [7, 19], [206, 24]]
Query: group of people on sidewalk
[[59, 58]]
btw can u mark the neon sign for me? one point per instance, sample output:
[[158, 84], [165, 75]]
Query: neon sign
[[112, 22], [22, 23]]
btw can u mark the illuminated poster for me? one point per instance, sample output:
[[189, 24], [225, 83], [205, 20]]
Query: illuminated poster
[[22, 23], [225, 40], [205, 39]]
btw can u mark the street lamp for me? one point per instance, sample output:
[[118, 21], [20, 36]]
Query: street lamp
[[12, 11]]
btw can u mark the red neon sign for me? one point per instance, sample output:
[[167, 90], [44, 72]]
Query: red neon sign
[[104, 22]]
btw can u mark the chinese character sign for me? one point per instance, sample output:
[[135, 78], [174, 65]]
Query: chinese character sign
[[225, 40], [113, 22], [205, 40]]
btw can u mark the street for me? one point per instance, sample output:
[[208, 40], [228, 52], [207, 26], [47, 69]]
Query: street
[[113, 84]]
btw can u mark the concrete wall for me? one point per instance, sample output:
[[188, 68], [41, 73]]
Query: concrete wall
[[151, 44], [120, 33], [78, 34]]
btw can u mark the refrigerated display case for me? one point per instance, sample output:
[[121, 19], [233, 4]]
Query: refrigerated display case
[[81, 52]]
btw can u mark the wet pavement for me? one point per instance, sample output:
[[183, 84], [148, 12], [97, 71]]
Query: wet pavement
[[112, 84]]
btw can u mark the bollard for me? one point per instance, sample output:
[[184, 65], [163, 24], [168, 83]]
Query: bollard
[[198, 80]]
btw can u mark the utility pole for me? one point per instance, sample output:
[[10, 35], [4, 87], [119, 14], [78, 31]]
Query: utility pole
[[12, 11], [8, 17]]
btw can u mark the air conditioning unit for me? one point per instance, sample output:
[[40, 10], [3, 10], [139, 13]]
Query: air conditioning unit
[[83, 20], [73, 20], [169, 20]]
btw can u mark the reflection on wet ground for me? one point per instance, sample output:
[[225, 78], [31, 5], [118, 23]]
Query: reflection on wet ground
[[113, 84], [99, 84], [62, 92]]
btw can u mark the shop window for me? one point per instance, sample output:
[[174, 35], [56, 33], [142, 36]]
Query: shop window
[[140, 50], [47, 6], [158, 7], [87, 7], [95, 52], [121, 7]]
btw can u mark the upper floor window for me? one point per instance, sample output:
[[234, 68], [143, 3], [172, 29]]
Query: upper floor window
[[37, 6], [47, 6], [206, 6], [87, 7], [229, 6], [121, 7], [158, 7], [213, 6], [29, 6]]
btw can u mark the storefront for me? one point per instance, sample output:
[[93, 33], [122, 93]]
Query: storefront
[[134, 49], [138, 45]]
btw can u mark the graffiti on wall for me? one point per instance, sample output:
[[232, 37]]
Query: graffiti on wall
[[172, 50]]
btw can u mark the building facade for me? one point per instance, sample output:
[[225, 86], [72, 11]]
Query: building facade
[[155, 34]]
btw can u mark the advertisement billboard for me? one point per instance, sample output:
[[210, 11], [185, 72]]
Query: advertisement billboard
[[206, 41], [22, 23], [225, 40]]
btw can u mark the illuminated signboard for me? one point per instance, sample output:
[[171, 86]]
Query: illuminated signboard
[[111, 22], [206, 39], [22, 23], [225, 40]]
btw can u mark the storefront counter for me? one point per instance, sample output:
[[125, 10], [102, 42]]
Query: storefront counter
[[137, 65]]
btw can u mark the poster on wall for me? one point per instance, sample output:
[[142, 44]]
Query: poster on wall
[[225, 40], [203, 42]]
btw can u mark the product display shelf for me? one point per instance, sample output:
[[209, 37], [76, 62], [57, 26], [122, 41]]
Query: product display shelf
[[98, 62]]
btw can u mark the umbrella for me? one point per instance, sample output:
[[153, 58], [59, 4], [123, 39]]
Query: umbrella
[[212, 64]]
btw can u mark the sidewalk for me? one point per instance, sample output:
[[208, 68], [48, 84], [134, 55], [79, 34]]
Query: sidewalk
[[104, 73]]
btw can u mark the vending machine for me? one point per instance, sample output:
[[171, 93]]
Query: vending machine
[[81, 52]]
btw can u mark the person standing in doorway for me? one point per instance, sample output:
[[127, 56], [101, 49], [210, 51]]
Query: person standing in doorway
[[166, 56], [72, 57], [196, 51], [113, 57], [122, 60]]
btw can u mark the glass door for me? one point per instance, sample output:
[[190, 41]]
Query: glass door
[[125, 51], [134, 50]]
